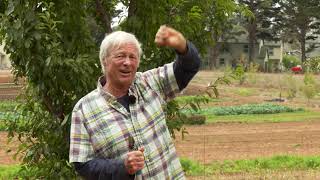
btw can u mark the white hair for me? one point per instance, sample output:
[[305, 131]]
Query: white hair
[[115, 40]]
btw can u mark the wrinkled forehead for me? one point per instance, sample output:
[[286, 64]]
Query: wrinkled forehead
[[125, 48]]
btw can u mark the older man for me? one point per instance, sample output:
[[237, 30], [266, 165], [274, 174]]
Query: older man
[[119, 130]]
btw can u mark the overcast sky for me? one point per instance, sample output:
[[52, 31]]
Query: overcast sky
[[122, 15]]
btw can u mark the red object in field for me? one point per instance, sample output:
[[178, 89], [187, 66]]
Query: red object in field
[[296, 69]]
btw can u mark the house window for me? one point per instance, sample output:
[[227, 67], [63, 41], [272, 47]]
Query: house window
[[221, 62], [270, 51], [225, 49], [246, 48]]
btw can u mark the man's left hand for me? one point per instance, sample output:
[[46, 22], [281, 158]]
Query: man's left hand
[[167, 36]]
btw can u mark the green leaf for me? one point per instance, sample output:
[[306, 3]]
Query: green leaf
[[66, 118]]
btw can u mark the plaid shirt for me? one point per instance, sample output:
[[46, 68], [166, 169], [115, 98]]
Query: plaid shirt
[[102, 128]]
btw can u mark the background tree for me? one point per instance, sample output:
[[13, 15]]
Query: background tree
[[145, 17], [260, 25], [220, 16], [54, 46], [301, 19], [50, 46]]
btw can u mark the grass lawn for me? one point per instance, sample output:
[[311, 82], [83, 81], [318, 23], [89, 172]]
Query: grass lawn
[[8, 172], [275, 163]]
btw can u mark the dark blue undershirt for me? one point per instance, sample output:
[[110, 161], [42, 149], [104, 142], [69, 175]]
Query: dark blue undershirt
[[185, 67]]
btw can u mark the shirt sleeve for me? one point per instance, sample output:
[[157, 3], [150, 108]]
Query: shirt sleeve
[[80, 146], [186, 66], [171, 78], [103, 169]]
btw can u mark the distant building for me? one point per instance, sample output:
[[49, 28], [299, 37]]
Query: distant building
[[4, 59], [267, 54]]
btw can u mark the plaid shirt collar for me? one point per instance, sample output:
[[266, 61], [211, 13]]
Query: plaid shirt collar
[[109, 97]]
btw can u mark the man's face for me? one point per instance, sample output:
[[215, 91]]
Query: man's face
[[121, 66]]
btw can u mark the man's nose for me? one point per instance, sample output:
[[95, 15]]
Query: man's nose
[[127, 60]]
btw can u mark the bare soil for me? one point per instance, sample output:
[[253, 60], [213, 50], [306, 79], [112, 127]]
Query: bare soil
[[233, 141], [7, 150], [9, 88]]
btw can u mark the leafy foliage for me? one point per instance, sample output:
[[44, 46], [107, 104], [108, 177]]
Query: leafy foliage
[[290, 61], [50, 45], [313, 65], [221, 23], [175, 116], [300, 19], [7, 105], [310, 87], [53, 44], [259, 26], [292, 86], [239, 74], [175, 109]]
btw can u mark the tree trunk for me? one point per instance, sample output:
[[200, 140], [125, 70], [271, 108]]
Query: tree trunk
[[252, 30], [252, 40], [132, 8], [104, 15], [214, 53], [303, 45]]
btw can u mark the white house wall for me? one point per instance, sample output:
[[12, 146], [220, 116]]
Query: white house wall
[[4, 59]]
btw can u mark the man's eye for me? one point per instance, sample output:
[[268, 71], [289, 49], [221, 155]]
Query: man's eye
[[132, 57], [119, 56]]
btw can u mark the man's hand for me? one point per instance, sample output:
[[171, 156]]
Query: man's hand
[[134, 161], [167, 36]]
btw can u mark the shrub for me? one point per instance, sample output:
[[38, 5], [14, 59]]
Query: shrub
[[310, 87], [313, 64], [290, 61], [7, 105], [239, 74], [292, 86], [252, 73]]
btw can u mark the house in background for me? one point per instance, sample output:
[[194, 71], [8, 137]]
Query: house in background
[[268, 54], [4, 59]]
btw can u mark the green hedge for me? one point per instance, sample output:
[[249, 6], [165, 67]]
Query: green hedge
[[195, 119], [290, 61], [248, 109]]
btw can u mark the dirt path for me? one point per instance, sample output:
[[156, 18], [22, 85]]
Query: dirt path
[[244, 141]]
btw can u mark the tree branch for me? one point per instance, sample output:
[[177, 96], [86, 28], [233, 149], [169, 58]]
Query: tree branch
[[104, 15], [48, 103]]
